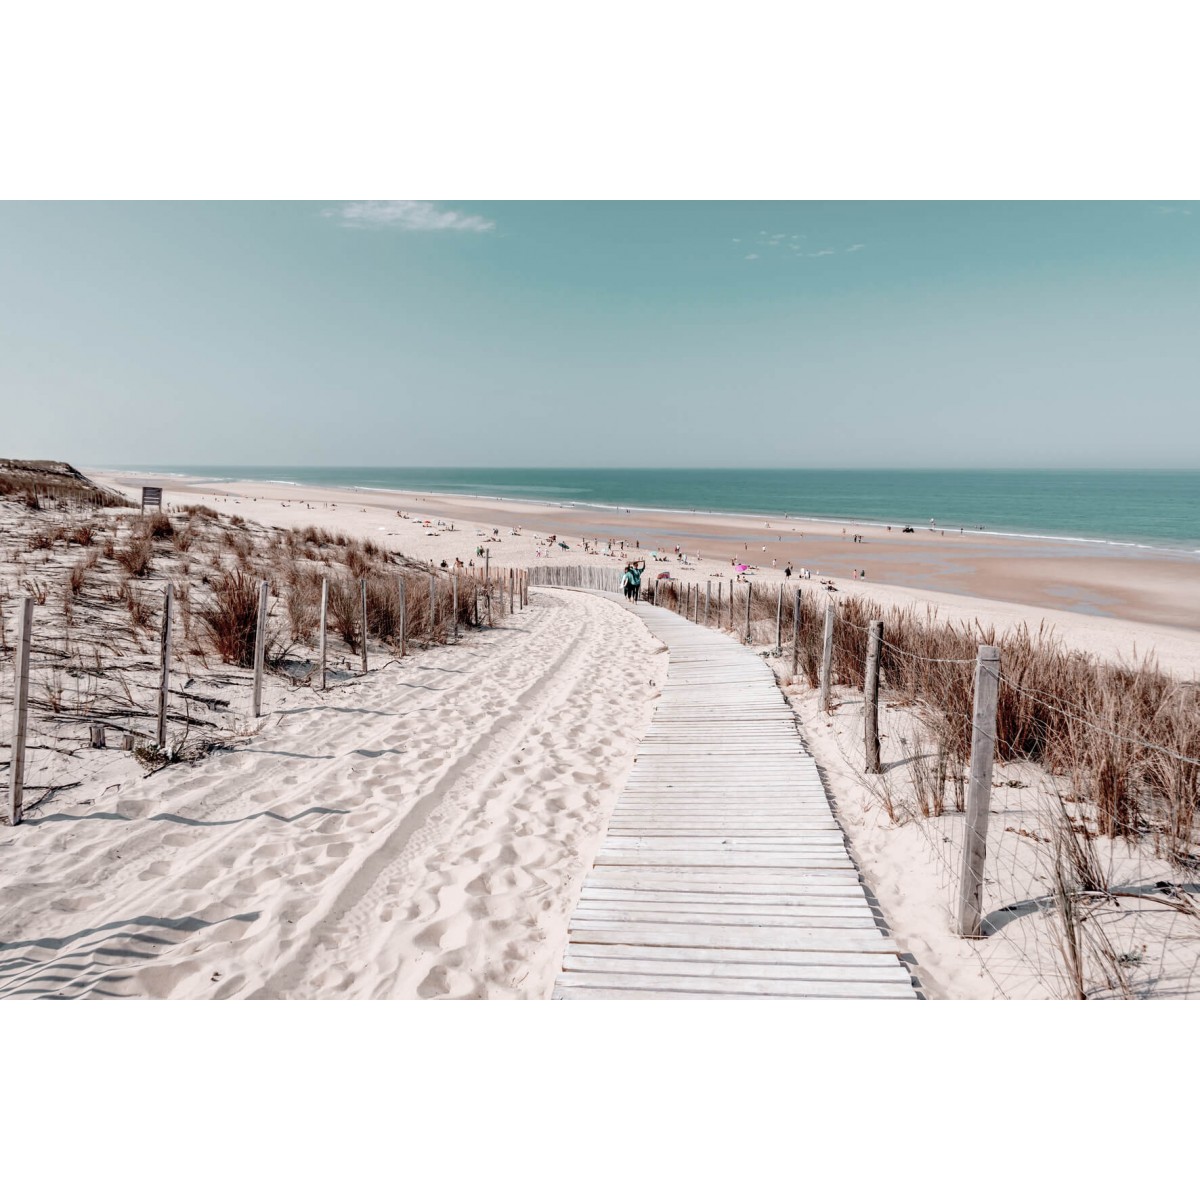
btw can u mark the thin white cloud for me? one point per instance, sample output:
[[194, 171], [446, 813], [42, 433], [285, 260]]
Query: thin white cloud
[[418, 215], [856, 246], [751, 256], [1175, 212], [822, 253], [737, 239]]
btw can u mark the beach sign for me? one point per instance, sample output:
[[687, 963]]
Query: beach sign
[[151, 495]]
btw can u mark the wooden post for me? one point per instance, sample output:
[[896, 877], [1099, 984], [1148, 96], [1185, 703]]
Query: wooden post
[[707, 598], [871, 699], [731, 606], [16, 770], [96, 737], [432, 607], [827, 657], [719, 586], [512, 590], [487, 603], [487, 566], [363, 605], [979, 790], [796, 634], [500, 584], [779, 622], [475, 603], [749, 592], [164, 666], [403, 619], [324, 622], [454, 601], [260, 645]]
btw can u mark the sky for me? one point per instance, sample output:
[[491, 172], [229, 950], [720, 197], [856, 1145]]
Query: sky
[[606, 334]]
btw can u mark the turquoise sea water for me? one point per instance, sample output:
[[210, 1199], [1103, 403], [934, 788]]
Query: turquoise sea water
[[1148, 508]]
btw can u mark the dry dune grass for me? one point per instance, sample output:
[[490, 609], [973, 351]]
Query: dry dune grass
[[97, 575], [1127, 737]]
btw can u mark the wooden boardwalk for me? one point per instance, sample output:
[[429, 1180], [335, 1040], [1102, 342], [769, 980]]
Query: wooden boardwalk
[[724, 873]]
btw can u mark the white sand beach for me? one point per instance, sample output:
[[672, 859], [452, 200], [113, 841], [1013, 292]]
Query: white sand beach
[[422, 832]]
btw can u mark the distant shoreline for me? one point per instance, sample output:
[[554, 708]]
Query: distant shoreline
[[1093, 543], [1140, 597]]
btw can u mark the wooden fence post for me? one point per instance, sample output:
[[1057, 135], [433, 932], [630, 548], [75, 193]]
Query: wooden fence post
[[654, 597], [16, 770], [403, 619], [827, 657], [512, 590], [362, 588], [871, 699], [432, 606], [719, 586], [779, 622], [487, 602], [487, 566], [731, 606], [324, 620], [749, 593], [979, 790], [796, 634], [260, 645], [164, 666], [454, 601], [500, 585], [707, 598]]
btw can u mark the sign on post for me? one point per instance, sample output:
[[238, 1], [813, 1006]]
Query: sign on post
[[151, 495]]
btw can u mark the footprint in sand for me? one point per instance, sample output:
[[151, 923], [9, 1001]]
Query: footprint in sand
[[445, 935]]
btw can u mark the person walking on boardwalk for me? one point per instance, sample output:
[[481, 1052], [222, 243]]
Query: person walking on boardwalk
[[633, 578]]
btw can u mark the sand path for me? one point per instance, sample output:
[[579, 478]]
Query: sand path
[[422, 832]]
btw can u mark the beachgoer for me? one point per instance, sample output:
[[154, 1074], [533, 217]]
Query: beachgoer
[[633, 579]]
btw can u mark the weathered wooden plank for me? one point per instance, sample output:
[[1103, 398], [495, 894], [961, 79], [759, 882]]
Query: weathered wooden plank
[[590, 912], [768, 937], [715, 858], [882, 972], [848, 991], [747, 902], [739, 986], [695, 959]]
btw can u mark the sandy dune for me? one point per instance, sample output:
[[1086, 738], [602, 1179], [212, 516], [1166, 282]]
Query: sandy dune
[[423, 832]]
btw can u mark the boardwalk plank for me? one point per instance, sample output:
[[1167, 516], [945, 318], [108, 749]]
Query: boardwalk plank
[[723, 872]]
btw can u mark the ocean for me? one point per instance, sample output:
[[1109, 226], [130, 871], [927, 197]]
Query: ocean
[[1153, 509]]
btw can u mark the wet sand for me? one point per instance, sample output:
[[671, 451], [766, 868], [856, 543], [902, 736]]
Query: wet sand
[[1156, 592]]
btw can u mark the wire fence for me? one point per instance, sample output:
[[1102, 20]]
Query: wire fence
[[1091, 879], [98, 581]]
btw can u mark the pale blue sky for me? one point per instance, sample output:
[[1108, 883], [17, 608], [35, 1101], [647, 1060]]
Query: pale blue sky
[[602, 334]]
